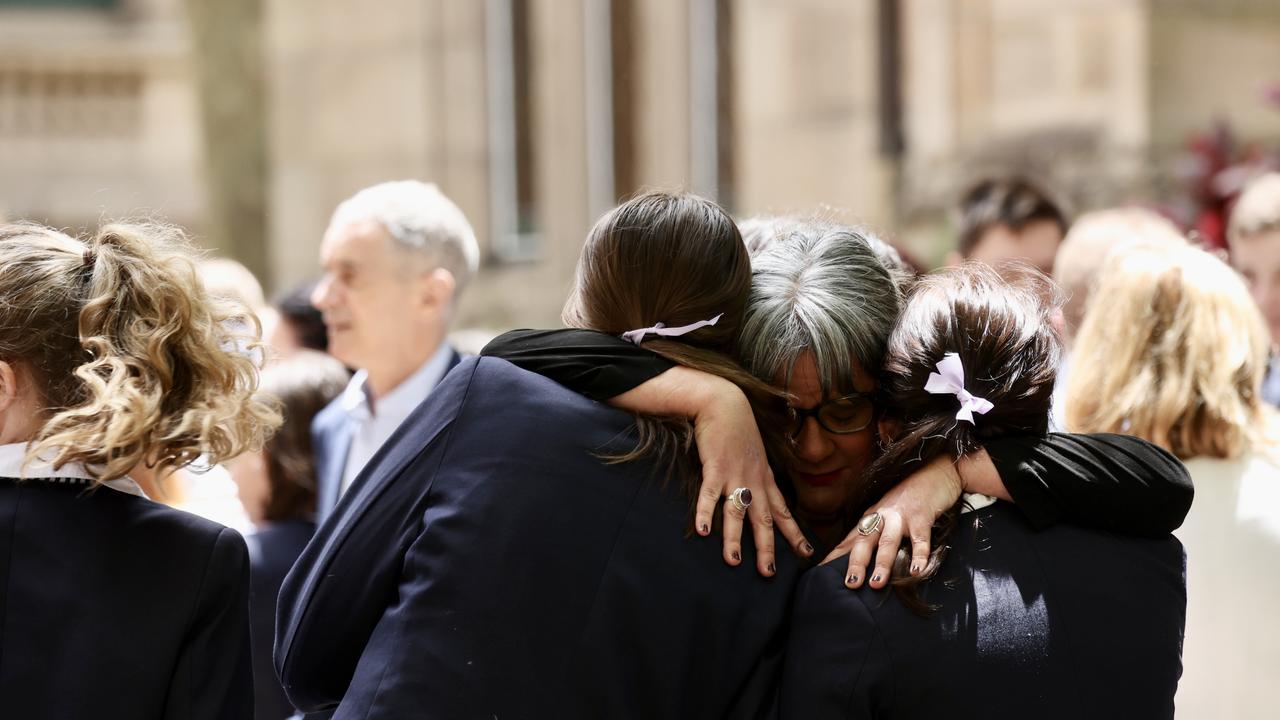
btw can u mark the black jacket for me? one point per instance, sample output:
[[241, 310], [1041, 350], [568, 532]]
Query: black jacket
[[489, 563], [1061, 623], [273, 548], [119, 607]]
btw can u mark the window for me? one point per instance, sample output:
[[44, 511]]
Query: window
[[513, 147]]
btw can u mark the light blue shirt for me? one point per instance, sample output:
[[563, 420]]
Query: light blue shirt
[[374, 419]]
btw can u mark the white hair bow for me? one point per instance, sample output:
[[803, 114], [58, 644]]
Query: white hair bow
[[950, 380], [637, 336]]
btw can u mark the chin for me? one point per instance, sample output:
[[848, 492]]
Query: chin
[[343, 352]]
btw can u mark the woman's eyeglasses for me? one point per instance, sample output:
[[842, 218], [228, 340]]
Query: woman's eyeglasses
[[841, 416]]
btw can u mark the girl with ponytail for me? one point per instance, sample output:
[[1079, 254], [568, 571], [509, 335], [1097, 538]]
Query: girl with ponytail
[[112, 356]]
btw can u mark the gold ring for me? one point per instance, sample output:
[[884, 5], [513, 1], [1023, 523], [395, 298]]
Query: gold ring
[[870, 524]]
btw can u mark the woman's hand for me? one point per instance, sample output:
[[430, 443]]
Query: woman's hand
[[910, 510], [733, 456]]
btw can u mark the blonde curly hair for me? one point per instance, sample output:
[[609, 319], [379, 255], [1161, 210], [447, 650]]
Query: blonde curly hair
[[132, 360]]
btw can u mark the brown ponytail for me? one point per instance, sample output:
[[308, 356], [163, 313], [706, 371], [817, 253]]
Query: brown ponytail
[[673, 258]]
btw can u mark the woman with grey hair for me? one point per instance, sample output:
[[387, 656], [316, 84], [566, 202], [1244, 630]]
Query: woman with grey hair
[[820, 312]]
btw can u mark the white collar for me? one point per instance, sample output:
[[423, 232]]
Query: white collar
[[403, 398], [13, 465]]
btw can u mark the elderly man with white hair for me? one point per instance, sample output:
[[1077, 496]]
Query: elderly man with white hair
[[395, 258]]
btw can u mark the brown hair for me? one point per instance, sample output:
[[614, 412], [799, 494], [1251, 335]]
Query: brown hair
[[1015, 202], [998, 322], [303, 383], [673, 258], [132, 360], [1177, 358]]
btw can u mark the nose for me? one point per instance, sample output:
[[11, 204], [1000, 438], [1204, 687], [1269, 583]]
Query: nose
[[321, 295], [812, 444]]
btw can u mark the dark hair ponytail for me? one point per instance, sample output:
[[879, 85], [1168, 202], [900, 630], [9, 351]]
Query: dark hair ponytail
[[1000, 326]]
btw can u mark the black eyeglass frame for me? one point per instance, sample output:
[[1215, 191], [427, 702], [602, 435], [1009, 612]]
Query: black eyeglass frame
[[799, 415]]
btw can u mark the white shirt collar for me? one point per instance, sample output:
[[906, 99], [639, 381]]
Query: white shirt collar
[[403, 398], [13, 465]]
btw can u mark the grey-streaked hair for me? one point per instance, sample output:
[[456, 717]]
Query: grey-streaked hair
[[823, 288], [420, 220], [760, 231]]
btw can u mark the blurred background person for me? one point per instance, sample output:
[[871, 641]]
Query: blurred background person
[[1008, 219], [113, 355], [1083, 252], [225, 278], [1176, 356], [1253, 234], [396, 257], [301, 325], [277, 486]]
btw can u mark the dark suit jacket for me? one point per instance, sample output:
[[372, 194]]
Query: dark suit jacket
[[488, 563], [272, 552], [1063, 623], [119, 607], [331, 431]]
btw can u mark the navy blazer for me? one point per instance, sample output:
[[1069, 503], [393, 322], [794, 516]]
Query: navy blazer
[[1063, 623], [273, 548], [331, 431], [118, 607], [487, 562]]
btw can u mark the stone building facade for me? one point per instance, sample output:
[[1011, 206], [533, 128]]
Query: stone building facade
[[537, 115]]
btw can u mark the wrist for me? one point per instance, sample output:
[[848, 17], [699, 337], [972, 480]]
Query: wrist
[[713, 395], [978, 475]]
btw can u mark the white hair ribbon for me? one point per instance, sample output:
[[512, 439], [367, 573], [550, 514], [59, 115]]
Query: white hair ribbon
[[950, 380], [637, 336]]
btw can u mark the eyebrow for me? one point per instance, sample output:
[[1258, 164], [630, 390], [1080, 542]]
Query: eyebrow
[[346, 265]]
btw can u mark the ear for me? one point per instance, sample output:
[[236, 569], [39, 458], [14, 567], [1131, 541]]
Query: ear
[[17, 423], [889, 428], [9, 392], [436, 288]]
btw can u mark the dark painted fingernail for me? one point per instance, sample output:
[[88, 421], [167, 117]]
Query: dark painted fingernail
[[704, 529], [737, 557], [875, 578], [915, 569], [770, 568], [808, 549], [852, 579]]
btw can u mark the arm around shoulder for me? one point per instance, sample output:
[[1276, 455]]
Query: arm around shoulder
[[1104, 480]]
